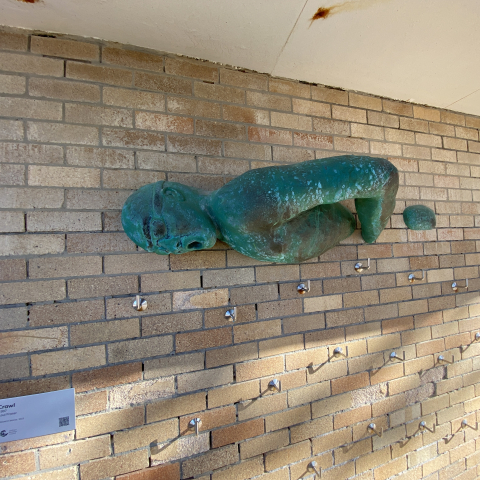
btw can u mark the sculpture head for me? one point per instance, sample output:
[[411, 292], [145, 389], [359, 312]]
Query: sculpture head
[[167, 217]]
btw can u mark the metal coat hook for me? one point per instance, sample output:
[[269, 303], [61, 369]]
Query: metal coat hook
[[231, 314], [476, 338], [302, 289], [412, 278], [338, 352], [465, 424], [274, 385], [139, 304], [456, 286], [360, 268], [194, 423], [394, 356], [373, 428], [422, 426], [442, 359], [312, 468]]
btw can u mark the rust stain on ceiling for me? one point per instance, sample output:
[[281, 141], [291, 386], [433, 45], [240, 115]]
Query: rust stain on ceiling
[[325, 12], [29, 1]]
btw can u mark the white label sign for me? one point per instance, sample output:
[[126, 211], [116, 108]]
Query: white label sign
[[37, 415]]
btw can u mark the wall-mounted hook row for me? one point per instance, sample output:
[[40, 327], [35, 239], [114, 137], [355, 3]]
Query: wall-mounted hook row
[[412, 278], [456, 286], [313, 468], [422, 426], [394, 356], [302, 289], [274, 385], [231, 314], [465, 424], [373, 428], [442, 359], [139, 304], [195, 423], [360, 268]]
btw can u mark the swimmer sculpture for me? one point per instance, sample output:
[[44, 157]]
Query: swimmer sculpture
[[283, 214]]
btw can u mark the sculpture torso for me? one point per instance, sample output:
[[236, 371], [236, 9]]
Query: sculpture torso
[[280, 214]]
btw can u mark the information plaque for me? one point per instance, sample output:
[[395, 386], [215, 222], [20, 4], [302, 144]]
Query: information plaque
[[37, 415]]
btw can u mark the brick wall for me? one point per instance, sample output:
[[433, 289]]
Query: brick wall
[[82, 124]]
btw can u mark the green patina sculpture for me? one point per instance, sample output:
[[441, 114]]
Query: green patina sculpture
[[283, 214], [419, 217]]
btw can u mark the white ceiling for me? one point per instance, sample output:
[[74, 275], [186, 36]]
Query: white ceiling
[[426, 51]]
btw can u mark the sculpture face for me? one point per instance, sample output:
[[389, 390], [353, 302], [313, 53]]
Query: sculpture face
[[167, 217], [283, 214]]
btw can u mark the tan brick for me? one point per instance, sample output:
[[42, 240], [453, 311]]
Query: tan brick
[[13, 367], [351, 145], [219, 92], [360, 298], [211, 461], [25, 64], [97, 287], [97, 199], [14, 269], [31, 387], [258, 368], [244, 150], [176, 407], [237, 432], [133, 139], [330, 302], [11, 130], [177, 364], [13, 318], [13, 41], [209, 378], [29, 292], [62, 133], [183, 447], [199, 146], [295, 122], [330, 95], [359, 448], [349, 114], [225, 356], [162, 83], [262, 406], [204, 339], [157, 325], [63, 221], [351, 382], [11, 222], [165, 161], [17, 463], [56, 47], [165, 123], [245, 115], [268, 135], [388, 149], [146, 435], [64, 90], [265, 443], [165, 472], [254, 294], [134, 349], [233, 394], [393, 135], [58, 313], [243, 80], [104, 331], [132, 59], [27, 108], [75, 113], [64, 360], [111, 466], [91, 403], [257, 330], [308, 394], [133, 263], [71, 453], [25, 341], [287, 455], [331, 126]]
